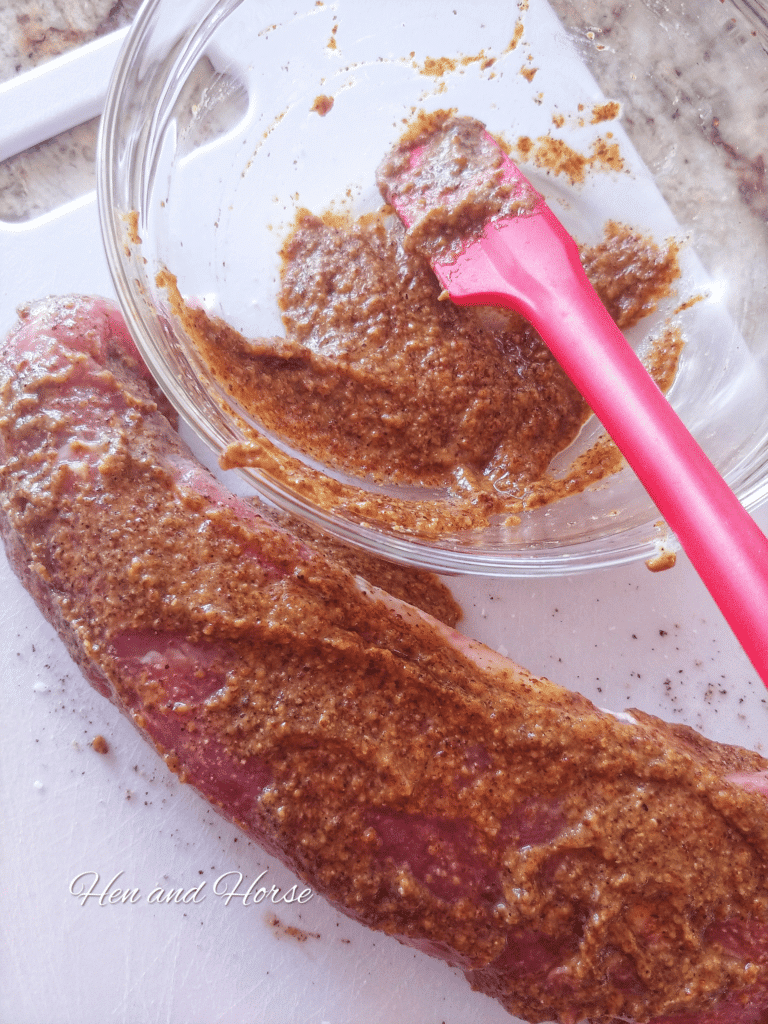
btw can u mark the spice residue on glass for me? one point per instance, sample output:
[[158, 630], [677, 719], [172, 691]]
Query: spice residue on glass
[[378, 377]]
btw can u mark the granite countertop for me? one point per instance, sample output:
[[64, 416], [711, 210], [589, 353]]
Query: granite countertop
[[697, 62], [32, 32]]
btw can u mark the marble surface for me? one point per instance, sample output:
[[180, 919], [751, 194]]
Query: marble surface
[[692, 80], [32, 32], [692, 71]]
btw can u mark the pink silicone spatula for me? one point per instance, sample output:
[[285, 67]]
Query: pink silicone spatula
[[527, 262]]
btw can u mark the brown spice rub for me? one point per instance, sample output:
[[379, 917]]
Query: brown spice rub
[[381, 379], [665, 559], [421, 783], [516, 36], [364, 323], [322, 105], [417, 587], [629, 273], [608, 111], [290, 930], [557, 156], [459, 183], [603, 458], [438, 67]]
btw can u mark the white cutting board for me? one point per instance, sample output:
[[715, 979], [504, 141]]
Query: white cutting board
[[622, 636]]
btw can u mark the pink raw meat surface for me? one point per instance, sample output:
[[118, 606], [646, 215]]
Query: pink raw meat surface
[[573, 864]]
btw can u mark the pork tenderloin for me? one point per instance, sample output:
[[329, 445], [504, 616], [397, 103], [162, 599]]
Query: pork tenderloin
[[575, 864]]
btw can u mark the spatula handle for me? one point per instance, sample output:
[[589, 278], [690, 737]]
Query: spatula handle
[[532, 265]]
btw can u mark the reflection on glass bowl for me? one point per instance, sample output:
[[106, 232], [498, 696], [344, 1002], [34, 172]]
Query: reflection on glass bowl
[[224, 119]]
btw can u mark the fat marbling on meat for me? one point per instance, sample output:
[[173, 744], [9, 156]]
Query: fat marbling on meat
[[575, 865]]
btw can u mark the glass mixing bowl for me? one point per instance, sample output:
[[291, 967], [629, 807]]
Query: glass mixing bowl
[[223, 118]]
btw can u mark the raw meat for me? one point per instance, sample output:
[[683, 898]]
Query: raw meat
[[574, 864]]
